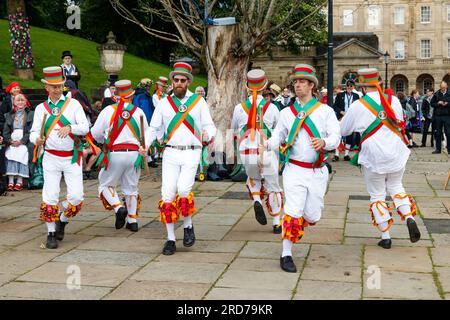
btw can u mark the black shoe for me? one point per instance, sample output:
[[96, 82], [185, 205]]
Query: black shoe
[[422, 145], [51, 241], [121, 215], [132, 226], [335, 158], [277, 229], [259, 213], [414, 233], [153, 164], [189, 237], [287, 264], [436, 152], [169, 248], [385, 243], [347, 158], [414, 145], [60, 230]]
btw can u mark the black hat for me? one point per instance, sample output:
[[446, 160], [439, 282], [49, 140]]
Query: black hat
[[66, 54]]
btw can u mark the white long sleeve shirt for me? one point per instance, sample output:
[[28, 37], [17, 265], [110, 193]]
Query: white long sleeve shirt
[[323, 118], [102, 127], [74, 113], [384, 152], [240, 119], [164, 114]]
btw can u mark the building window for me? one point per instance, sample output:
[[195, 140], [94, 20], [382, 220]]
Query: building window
[[427, 84], [348, 17], [399, 15], [399, 49], [353, 76], [400, 86], [448, 48], [425, 14], [448, 13], [374, 16], [425, 49]]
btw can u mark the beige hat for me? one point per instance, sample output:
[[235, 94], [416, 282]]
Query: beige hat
[[162, 81], [305, 71], [369, 77], [53, 76], [275, 88]]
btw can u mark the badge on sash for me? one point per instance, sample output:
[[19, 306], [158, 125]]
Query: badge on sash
[[126, 115], [182, 108], [301, 115], [382, 115], [56, 112]]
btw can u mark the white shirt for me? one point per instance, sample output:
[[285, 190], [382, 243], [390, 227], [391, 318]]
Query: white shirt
[[326, 123], [240, 119], [74, 113], [384, 152], [164, 114], [107, 93], [102, 127], [69, 69]]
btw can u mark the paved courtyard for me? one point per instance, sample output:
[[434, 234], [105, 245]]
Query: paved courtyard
[[234, 257]]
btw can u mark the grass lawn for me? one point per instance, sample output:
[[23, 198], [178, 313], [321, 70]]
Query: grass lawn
[[47, 47]]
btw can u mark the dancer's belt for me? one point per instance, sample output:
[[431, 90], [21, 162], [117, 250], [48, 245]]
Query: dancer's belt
[[124, 147], [250, 151], [306, 164], [183, 147], [60, 153]]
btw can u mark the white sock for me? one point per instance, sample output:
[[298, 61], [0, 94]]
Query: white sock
[[51, 227], [257, 198], [149, 159], [405, 209], [276, 220], [131, 202], [170, 231], [337, 153], [287, 248], [383, 226], [63, 207], [112, 200], [19, 180], [347, 149], [11, 179], [187, 222]]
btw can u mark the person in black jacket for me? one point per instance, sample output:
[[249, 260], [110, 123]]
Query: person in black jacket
[[70, 70], [341, 104], [427, 114], [441, 104]]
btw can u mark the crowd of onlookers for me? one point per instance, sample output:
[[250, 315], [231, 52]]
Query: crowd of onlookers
[[421, 113]]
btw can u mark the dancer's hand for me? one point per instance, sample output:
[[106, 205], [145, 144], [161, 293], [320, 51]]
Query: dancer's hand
[[142, 151], [64, 131], [318, 143], [39, 141]]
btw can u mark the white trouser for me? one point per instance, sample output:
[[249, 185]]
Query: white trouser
[[179, 168], [378, 185], [121, 171], [304, 191], [53, 167]]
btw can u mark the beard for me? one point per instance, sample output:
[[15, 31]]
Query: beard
[[180, 92]]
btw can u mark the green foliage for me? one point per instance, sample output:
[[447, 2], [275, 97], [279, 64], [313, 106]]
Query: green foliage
[[47, 48]]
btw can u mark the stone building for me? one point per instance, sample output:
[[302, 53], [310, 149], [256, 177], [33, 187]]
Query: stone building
[[416, 34]]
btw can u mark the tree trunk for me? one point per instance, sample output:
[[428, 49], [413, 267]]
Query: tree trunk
[[226, 81]]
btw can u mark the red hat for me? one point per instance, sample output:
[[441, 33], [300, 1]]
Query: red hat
[[12, 85]]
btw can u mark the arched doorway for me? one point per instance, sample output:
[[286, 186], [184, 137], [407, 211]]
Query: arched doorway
[[399, 83], [447, 78], [424, 81], [350, 75]]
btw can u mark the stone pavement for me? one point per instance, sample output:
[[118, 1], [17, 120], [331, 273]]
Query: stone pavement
[[234, 257]]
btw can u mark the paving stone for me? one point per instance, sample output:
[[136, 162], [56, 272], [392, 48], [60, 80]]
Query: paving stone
[[51, 291], [336, 198], [106, 257], [216, 219], [264, 265], [18, 262], [259, 280], [180, 272], [331, 223], [441, 239], [397, 231], [15, 238], [86, 215], [251, 225], [327, 290], [435, 213], [395, 242], [399, 259], [5, 278], [110, 222], [441, 256], [155, 290], [322, 235], [444, 277], [106, 232], [122, 245], [335, 255], [17, 226], [70, 242], [338, 273], [205, 232], [217, 246], [267, 250], [198, 257], [228, 209], [90, 275], [247, 294], [402, 285], [253, 236]]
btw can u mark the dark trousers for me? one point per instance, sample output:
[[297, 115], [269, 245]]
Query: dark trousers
[[442, 123], [426, 127]]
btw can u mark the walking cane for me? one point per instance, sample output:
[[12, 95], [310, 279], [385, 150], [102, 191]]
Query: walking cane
[[261, 140], [147, 170], [41, 136]]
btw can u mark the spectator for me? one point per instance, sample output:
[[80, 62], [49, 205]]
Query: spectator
[[413, 108], [200, 91], [408, 113], [10, 92], [427, 116], [2, 94], [284, 100], [109, 97], [441, 112], [16, 132], [72, 92], [70, 70], [324, 95], [160, 91]]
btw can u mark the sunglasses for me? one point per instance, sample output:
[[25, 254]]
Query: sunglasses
[[176, 80]]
